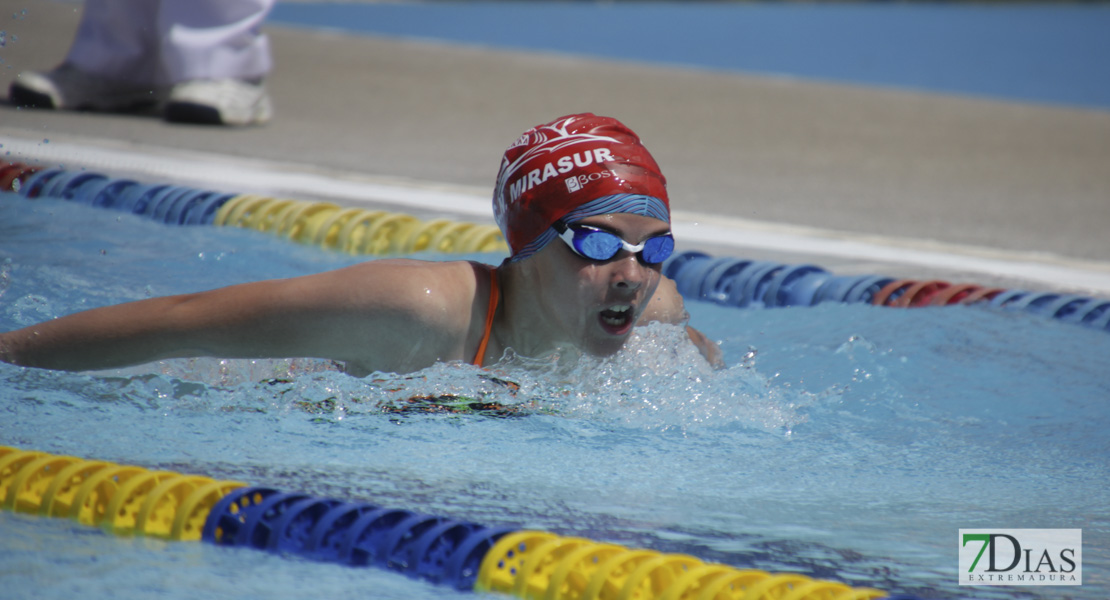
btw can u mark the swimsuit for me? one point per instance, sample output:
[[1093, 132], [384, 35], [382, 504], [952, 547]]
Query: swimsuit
[[494, 297]]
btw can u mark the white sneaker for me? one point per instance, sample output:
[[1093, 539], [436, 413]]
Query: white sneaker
[[219, 102], [68, 87]]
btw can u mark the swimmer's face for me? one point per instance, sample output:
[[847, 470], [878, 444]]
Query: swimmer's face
[[596, 303]]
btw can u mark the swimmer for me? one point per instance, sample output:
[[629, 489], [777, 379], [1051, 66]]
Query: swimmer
[[584, 208]]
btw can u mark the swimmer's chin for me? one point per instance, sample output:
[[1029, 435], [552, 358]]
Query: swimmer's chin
[[609, 347]]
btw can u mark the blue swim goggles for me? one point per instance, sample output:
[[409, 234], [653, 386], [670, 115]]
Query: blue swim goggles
[[597, 244]]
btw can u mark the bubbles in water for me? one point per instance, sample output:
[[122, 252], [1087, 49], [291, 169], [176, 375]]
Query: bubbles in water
[[227, 373], [659, 381], [31, 309], [5, 275]]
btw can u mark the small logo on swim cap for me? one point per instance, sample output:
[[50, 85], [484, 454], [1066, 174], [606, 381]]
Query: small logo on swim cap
[[573, 185]]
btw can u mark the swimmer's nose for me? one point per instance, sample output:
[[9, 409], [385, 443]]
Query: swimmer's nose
[[628, 272]]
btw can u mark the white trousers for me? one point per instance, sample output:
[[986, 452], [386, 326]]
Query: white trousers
[[162, 42]]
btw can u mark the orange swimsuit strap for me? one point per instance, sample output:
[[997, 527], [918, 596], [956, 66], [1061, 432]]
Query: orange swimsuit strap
[[494, 297]]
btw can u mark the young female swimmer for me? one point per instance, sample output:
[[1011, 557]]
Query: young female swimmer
[[583, 206]]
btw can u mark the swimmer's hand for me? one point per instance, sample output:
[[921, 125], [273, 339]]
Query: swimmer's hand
[[666, 306], [710, 350]]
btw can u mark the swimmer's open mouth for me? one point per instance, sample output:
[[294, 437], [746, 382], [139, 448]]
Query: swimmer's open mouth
[[617, 319]]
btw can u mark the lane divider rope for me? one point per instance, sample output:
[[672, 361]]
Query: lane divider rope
[[128, 500], [758, 284], [323, 224]]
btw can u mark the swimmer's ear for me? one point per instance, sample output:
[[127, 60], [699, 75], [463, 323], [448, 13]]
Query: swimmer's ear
[[710, 350]]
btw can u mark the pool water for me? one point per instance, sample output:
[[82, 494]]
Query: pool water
[[842, 441]]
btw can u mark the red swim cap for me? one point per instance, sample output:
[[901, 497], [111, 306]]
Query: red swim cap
[[559, 166]]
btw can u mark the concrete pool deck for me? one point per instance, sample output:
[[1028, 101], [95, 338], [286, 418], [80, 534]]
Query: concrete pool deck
[[855, 179]]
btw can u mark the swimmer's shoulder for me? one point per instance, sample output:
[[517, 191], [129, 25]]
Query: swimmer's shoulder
[[424, 311], [666, 305], [428, 288], [404, 275]]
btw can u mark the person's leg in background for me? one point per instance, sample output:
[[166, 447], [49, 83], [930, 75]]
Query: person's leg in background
[[205, 59], [112, 65], [216, 55]]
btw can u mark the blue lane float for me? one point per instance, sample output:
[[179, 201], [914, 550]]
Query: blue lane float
[[172, 205], [437, 549]]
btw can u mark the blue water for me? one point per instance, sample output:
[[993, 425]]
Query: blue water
[[842, 441], [1036, 52]]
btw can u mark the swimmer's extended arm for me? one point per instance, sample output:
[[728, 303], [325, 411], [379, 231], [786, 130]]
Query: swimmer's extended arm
[[367, 314], [666, 306], [100, 338]]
